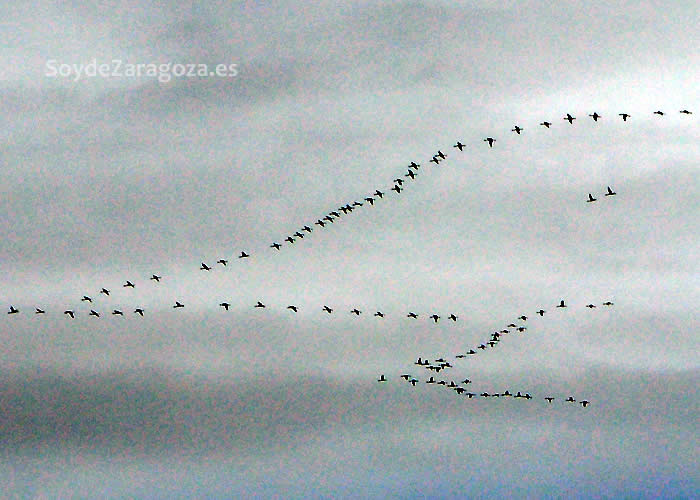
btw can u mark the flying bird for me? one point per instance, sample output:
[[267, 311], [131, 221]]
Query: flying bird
[[370, 200], [541, 312], [243, 255], [327, 309], [414, 165], [561, 304], [595, 116], [138, 311], [117, 312], [205, 267], [549, 399], [411, 174], [441, 155], [381, 379], [225, 305], [38, 311], [223, 262], [105, 291], [435, 317], [178, 305], [396, 188], [378, 193], [610, 192], [490, 140], [517, 129], [379, 314], [608, 303], [624, 116], [319, 222], [686, 112], [435, 160], [259, 304], [591, 306], [289, 239], [660, 113], [128, 284], [569, 118], [155, 278], [94, 313], [308, 229], [86, 299], [524, 318], [412, 315], [292, 308], [459, 146], [584, 403], [570, 399], [13, 310], [590, 198], [69, 313], [276, 246], [452, 317], [356, 312], [546, 124]]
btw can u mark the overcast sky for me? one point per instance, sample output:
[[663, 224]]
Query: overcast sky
[[108, 179]]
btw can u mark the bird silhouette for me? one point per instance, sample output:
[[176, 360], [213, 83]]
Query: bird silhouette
[[435, 318], [624, 116], [441, 154], [549, 399], [608, 303], [490, 140], [104, 291], [379, 314], [413, 382], [289, 239], [685, 112], [452, 317], [414, 165], [178, 305], [292, 308], [117, 312], [128, 284], [459, 146], [225, 305], [570, 399], [327, 309], [308, 229], [595, 116], [471, 352], [524, 318], [411, 174], [431, 380], [86, 299], [13, 310], [259, 304], [69, 313], [381, 379], [94, 313], [378, 193], [569, 118], [541, 312], [155, 278], [205, 267], [561, 304], [610, 192], [435, 160], [276, 246], [412, 315], [590, 198], [517, 129], [369, 200], [223, 262], [138, 311], [660, 113], [521, 328], [546, 124], [38, 311], [319, 222], [356, 312], [243, 255], [585, 403], [396, 188]]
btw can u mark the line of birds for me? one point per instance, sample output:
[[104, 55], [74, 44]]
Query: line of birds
[[260, 305], [441, 363]]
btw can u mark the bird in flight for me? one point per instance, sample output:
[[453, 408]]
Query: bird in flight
[[570, 399], [546, 124], [595, 116], [356, 312], [243, 255], [259, 304], [610, 192], [435, 160], [608, 303], [590, 198], [178, 305], [155, 278], [584, 403], [308, 229], [205, 267], [452, 317], [660, 113], [624, 116], [569, 118], [490, 140], [105, 291], [441, 155], [396, 188], [94, 313], [117, 312], [128, 284], [38, 311], [289, 239], [541, 312], [223, 262], [379, 314], [138, 311], [521, 328], [435, 317], [459, 146], [277, 246], [13, 310], [414, 165], [69, 313], [524, 318], [561, 304], [381, 379], [292, 308], [591, 306], [517, 129], [411, 174], [549, 399], [686, 112], [225, 305], [412, 315], [86, 299], [370, 200], [327, 309]]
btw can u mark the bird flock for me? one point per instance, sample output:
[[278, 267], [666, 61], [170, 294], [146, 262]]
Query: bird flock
[[399, 184]]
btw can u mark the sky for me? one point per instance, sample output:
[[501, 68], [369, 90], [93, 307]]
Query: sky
[[115, 178]]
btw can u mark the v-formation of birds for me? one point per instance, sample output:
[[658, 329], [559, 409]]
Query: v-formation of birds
[[334, 215]]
